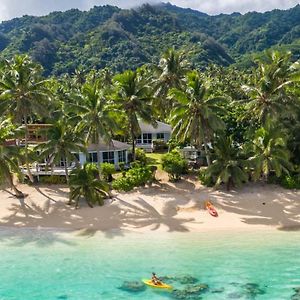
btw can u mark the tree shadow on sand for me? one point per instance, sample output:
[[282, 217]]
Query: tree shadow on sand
[[279, 207], [111, 219], [142, 214]]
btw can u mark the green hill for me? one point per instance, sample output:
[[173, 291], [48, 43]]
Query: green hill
[[120, 39]]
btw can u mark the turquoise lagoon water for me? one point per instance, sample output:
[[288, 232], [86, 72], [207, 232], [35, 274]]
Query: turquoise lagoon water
[[45, 264]]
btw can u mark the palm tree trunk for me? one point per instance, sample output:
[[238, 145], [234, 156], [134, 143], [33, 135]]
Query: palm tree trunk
[[207, 153], [17, 192], [133, 148], [133, 144], [26, 151], [99, 157], [66, 170]]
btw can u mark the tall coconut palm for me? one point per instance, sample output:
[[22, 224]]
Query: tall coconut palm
[[133, 96], [229, 166], [268, 152], [8, 158], [63, 143], [196, 115], [23, 93], [269, 96], [169, 74], [97, 116], [84, 183]]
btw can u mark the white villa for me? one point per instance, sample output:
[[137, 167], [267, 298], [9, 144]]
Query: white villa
[[149, 133], [116, 152]]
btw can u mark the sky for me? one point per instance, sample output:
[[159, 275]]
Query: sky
[[17, 8]]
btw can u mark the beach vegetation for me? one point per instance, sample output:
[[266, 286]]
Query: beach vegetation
[[135, 177], [197, 113], [140, 156], [174, 164], [24, 95], [229, 165], [62, 145], [107, 170], [9, 155], [246, 122], [84, 184], [133, 97]]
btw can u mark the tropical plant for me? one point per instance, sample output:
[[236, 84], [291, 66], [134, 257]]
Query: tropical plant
[[169, 74], [97, 117], [8, 157], [229, 165], [62, 145], [23, 94], [133, 96], [174, 164], [107, 170], [141, 157], [269, 96], [196, 115], [83, 183], [135, 177], [268, 152]]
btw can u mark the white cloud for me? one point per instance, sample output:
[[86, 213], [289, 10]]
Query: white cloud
[[16, 8], [230, 6]]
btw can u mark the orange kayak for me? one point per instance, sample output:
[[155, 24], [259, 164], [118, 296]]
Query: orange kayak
[[211, 209]]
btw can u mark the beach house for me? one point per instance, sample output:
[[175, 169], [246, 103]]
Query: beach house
[[149, 133], [115, 152]]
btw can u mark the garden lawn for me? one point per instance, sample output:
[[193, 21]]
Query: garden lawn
[[155, 159]]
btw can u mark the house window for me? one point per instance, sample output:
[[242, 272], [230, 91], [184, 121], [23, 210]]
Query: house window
[[139, 139], [122, 156], [147, 138], [109, 157], [92, 157], [62, 162], [160, 136]]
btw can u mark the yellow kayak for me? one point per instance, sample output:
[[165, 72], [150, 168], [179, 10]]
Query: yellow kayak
[[159, 286]]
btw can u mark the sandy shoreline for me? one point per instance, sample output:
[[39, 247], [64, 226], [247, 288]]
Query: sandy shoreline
[[165, 207]]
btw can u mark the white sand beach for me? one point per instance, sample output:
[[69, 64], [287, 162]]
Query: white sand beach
[[166, 206]]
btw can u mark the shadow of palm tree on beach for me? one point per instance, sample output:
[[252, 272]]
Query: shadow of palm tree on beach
[[279, 208]]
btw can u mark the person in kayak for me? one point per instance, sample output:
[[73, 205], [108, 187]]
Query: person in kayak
[[155, 280]]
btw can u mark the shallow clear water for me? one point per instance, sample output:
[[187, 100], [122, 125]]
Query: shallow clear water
[[45, 264]]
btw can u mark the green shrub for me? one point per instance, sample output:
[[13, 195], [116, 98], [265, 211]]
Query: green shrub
[[93, 169], [159, 145], [290, 182], [123, 184], [107, 170], [52, 179], [174, 164], [140, 156], [205, 179], [121, 166], [137, 176]]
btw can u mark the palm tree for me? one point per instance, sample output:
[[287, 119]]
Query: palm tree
[[133, 97], [268, 152], [196, 116], [84, 183], [23, 93], [98, 118], [8, 158], [63, 143], [229, 166], [269, 96], [169, 74]]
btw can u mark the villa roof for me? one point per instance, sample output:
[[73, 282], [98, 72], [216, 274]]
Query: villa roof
[[103, 146], [161, 127]]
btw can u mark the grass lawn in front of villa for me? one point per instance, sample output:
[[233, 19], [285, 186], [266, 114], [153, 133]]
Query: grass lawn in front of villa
[[154, 159]]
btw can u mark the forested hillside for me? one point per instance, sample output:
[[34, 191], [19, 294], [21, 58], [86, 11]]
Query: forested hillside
[[126, 39]]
